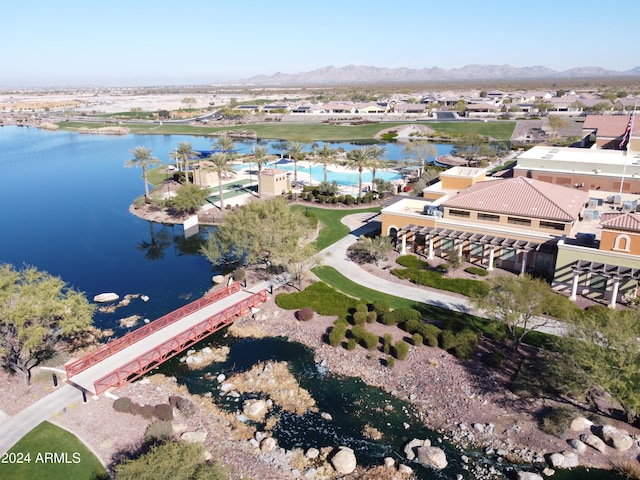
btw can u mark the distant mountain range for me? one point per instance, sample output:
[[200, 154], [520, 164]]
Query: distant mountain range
[[360, 74]]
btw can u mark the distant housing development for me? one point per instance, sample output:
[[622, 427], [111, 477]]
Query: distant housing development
[[569, 214]]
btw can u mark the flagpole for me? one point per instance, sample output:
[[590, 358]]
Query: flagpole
[[626, 155]]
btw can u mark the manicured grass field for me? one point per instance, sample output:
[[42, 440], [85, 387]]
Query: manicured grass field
[[310, 132], [332, 229], [53, 454]]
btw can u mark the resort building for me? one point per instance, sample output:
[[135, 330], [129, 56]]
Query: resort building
[[513, 223], [607, 269], [274, 182], [584, 168]]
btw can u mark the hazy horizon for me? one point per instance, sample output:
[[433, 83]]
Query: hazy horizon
[[75, 44]]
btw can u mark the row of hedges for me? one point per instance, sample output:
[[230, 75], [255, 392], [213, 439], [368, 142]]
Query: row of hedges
[[421, 273], [344, 199], [462, 344]]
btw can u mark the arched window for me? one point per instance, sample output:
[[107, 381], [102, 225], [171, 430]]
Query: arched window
[[623, 242]]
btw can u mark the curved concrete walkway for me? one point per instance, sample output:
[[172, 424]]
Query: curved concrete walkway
[[335, 256]]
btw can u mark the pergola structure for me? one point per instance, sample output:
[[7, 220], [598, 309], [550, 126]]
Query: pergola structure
[[608, 271], [459, 239]]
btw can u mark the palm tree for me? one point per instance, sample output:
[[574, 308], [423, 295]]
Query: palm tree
[[296, 153], [142, 158], [183, 152], [220, 163], [224, 143], [375, 154], [260, 156], [359, 159], [327, 157]]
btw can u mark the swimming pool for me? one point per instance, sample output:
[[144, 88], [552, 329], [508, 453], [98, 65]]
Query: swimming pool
[[342, 178]]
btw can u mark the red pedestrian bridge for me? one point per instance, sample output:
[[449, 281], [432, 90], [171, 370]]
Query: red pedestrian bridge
[[127, 358]]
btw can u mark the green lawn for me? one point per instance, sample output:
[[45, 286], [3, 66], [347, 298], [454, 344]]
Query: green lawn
[[53, 454], [309, 132], [332, 228]]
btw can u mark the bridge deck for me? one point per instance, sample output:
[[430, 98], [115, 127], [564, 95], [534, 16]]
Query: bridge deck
[[87, 378]]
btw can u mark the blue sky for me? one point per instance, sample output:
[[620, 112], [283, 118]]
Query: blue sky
[[136, 42]]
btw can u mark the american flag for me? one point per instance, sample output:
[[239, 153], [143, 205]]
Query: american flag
[[627, 132]]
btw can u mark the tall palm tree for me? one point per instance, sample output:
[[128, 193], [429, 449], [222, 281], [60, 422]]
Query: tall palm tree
[[327, 157], [375, 154], [359, 159], [220, 163], [260, 157], [224, 143], [142, 158], [296, 153], [182, 153]]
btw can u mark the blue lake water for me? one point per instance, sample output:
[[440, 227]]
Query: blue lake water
[[65, 200]]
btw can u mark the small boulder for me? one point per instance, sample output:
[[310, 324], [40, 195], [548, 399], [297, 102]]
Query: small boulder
[[344, 461], [268, 444], [571, 459], [556, 460], [615, 438], [255, 409], [405, 469], [577, 445], [594, 442], [312, 453], [579, 424], [528, 476], [409, 448], [433, 457], [194, 437], [389, 462]]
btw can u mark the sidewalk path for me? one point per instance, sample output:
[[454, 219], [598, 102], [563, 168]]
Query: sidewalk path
[[335, 256], [14, 428]]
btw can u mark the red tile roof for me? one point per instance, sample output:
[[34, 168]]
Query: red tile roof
[[609, 125], [629, 221], [521, 196]]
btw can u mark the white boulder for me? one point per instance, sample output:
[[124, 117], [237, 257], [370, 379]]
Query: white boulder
[[344, 461]]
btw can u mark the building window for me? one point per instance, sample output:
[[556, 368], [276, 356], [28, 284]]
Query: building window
[[552, 225], [487, 217], [508, 255], [459, 213], [519, 221], [622, 242], [477, 249], [446, 244], [598, 283]]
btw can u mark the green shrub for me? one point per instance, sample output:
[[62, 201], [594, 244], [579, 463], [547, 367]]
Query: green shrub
[[352, 344], [367, 339], [401, 350], [337, 334], [359, 318], [481, 272], [146, 411], [361, 307], [305, 314], [495, 359], [238, 275], [387, 341], [391, 361], [461, 344], [372, 317], [447, 340], [123, 405], [400, 315], [158, 431], [443, 267], [380, 307], [557, 419], [341, 322], [411, 326], [430, 334], [164, 411], [416, 339], [184, 405]]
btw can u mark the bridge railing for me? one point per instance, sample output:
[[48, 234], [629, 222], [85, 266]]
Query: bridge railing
[[123, 342], [172, 347]]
